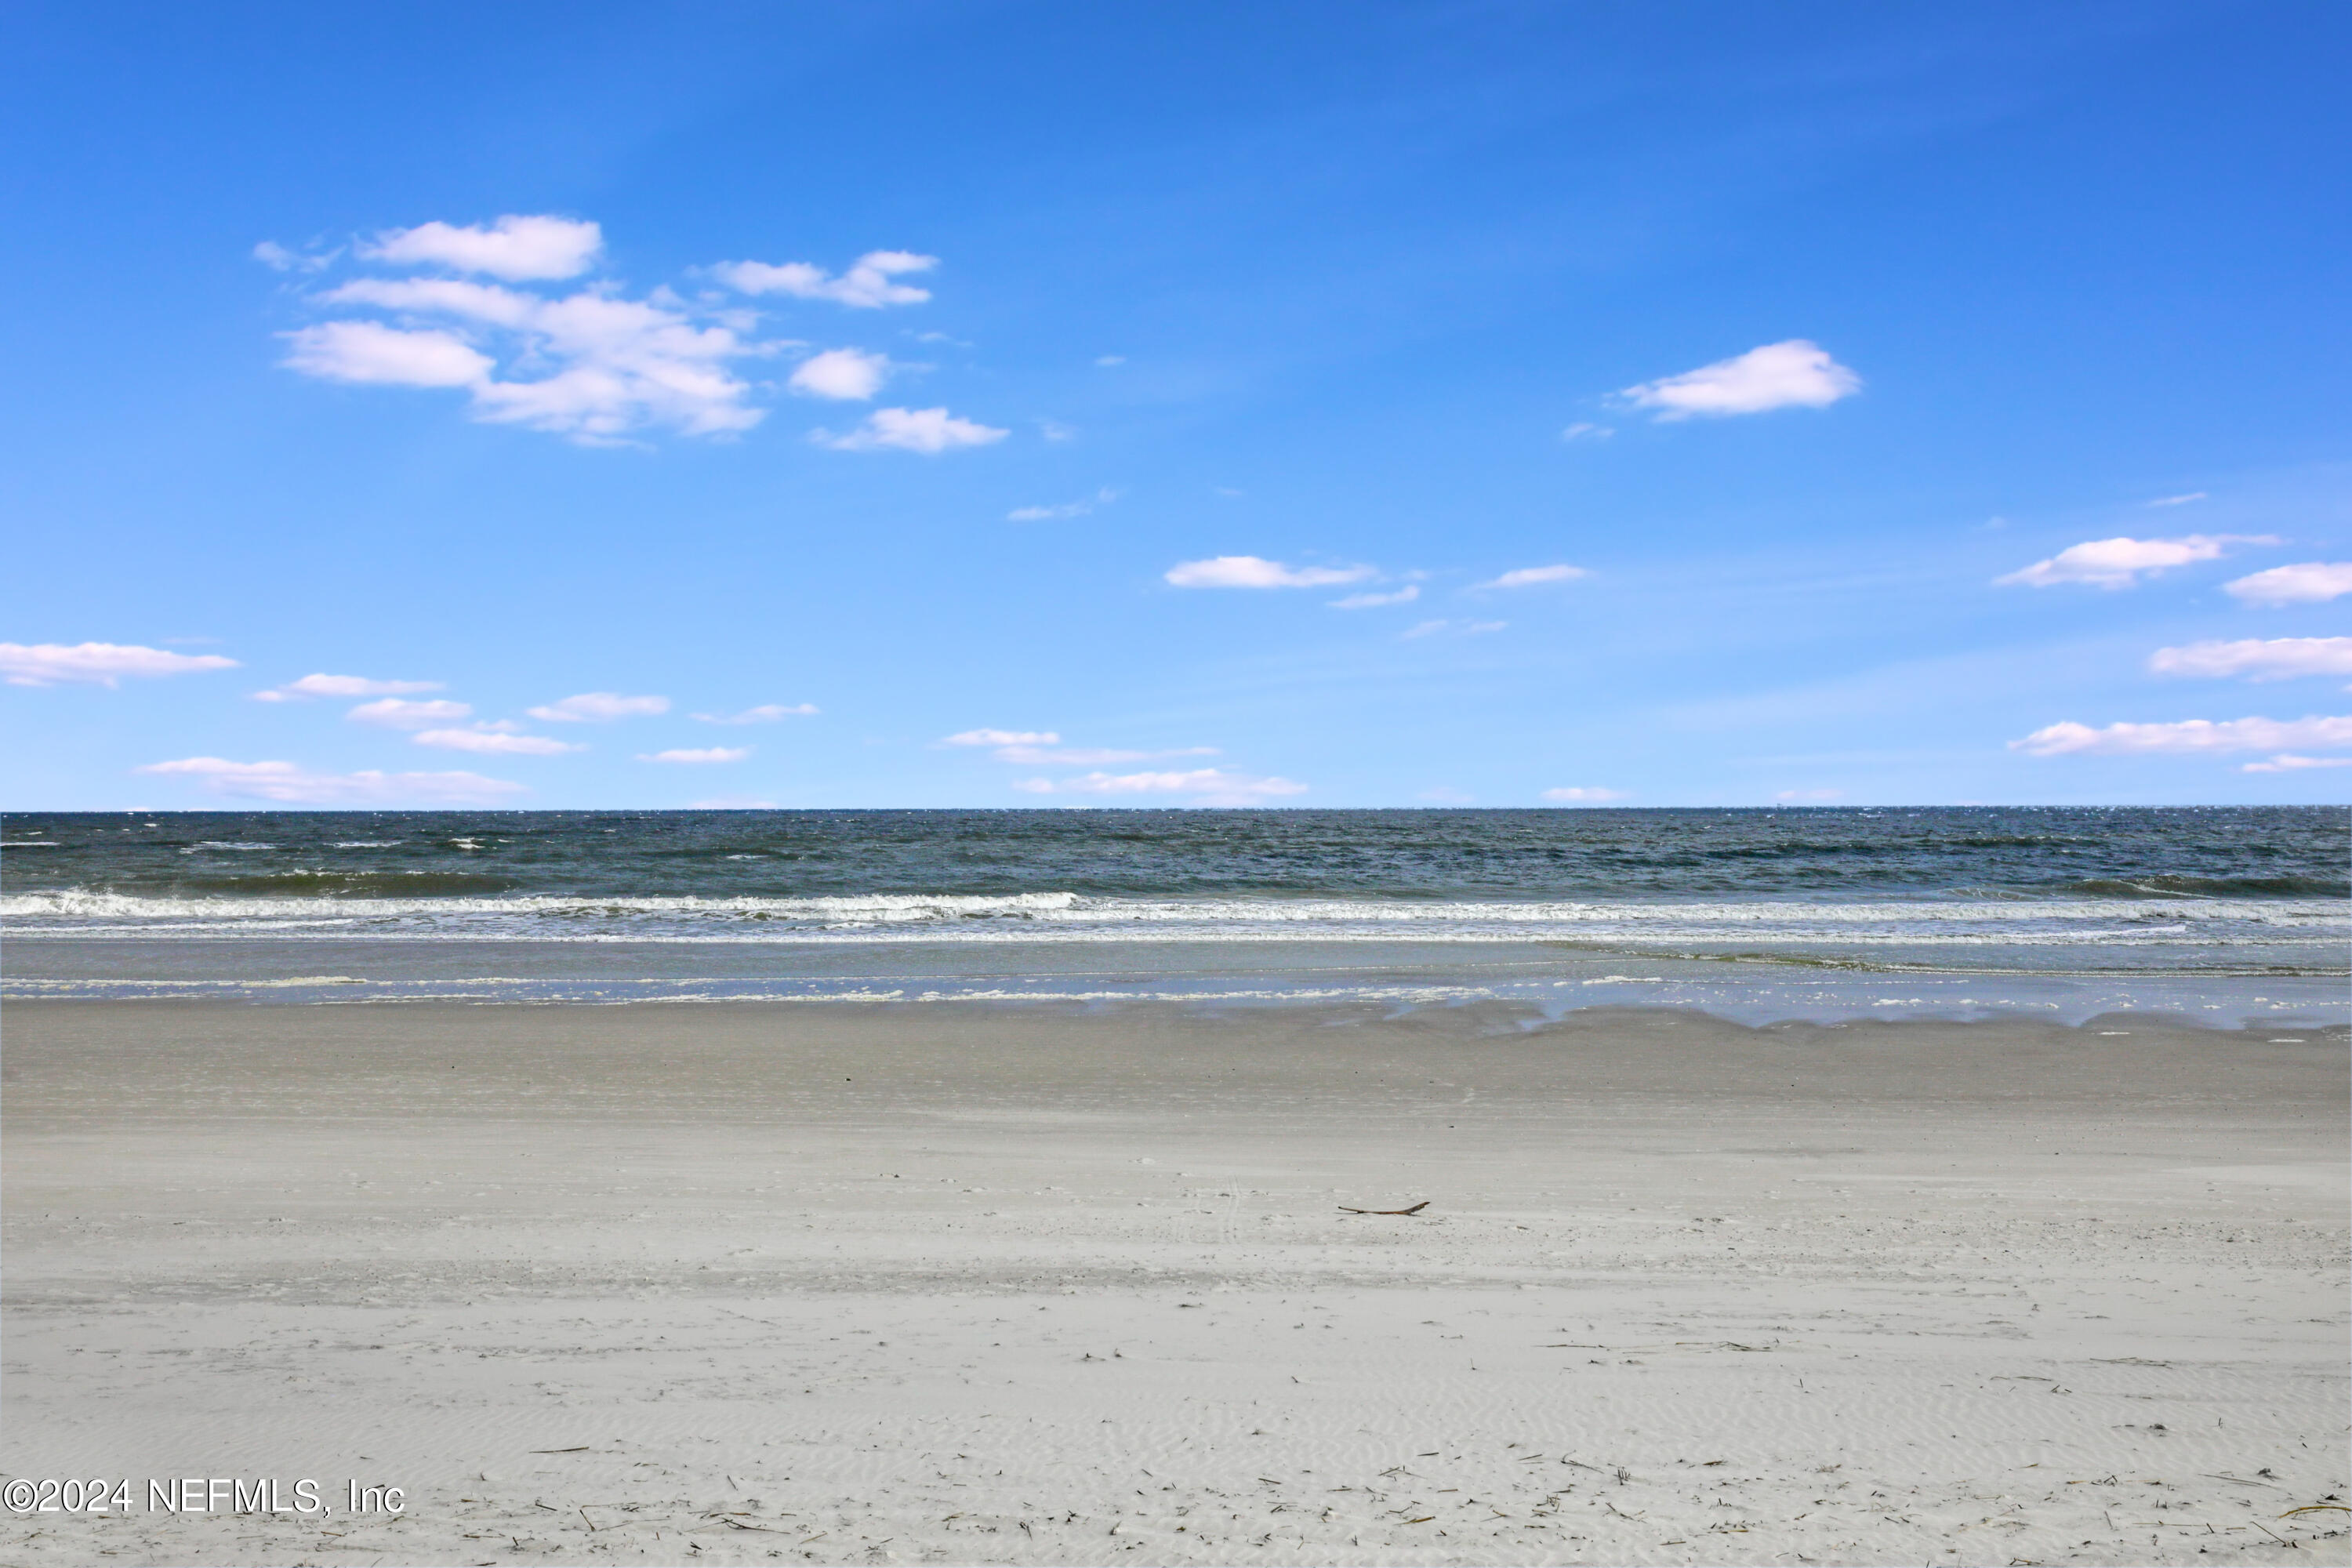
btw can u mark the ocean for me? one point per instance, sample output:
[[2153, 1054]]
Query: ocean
[[2225, 914]]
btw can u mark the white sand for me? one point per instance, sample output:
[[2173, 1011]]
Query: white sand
[[1009, 1285]]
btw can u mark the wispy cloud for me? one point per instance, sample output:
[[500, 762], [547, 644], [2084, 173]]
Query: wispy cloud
[[279, 258], [2287, 762], [599, 708], [400, 713], [2178, 501], [343, 686], [1535, 576], [98, 663], [766, 713], [926, 430], [2305, 583], [1255, 572], [2275, 658], [1001, 738], [495, 741], [1797, 373], [696, 756], [1404, 595], [845, 375], [2122, 561], [515, 247], [2188, 737], [1091, 756], [288, 784], [1206, 786], [1103, 497], [1583, 430], [868, 284], [1585, 795]]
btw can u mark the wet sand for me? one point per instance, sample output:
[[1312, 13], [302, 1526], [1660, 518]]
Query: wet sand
[[1009, 1284]]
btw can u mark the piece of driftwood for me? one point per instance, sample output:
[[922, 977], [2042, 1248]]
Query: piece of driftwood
[[1415, 1209]]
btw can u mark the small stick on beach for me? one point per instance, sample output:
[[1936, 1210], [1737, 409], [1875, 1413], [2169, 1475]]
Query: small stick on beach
[[1415, 1209]]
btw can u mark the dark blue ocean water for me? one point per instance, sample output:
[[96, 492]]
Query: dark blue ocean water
[[2191, 909]]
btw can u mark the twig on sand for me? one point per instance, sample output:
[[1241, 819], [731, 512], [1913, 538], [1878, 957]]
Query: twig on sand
[[1415, 1209], [2317, 1508]]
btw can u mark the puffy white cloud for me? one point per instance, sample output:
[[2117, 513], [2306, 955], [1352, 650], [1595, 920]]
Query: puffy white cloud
[[697, 755], [2275, 658], [599, 708], [514, 247], [1208, 786], [1002, 737], [845, 375], [1797, 373], [2121, 563], [1404, 595], [98, 663], [2305, 583], [611, 366], [343, 686], [867, 285], [1585, 795], [2188, 737], [498, 742], [370, 353], [1533, 576], [1254, 572], [1103, 497], [766, 713], [400, 713], [925, 430], [289, 785], [2287, 762]]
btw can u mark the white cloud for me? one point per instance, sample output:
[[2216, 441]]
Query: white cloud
[[697, 755], [279, 259], [98, 663], [343, 686], [1254, 571], [1530, 576], [1404, 595], [2305, 583], [845, 375], [2177, 501], [1054, 430], [867, 285], [1585, 795], [2189, 737], [514, 247], [1797, 373], [611, 366], [1461, 628], [1210, 786], [2276, 658], [766, 713], [1002, 737], [925, 430], [1091, 756], [1792, 796], [1585, 431], [370, 353], [1103, 497], [2286, 762], [488, 739], [2121, 563], [290, 785], [599, 708], [400, 713]]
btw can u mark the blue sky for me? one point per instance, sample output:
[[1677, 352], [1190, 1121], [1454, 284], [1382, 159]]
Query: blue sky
[[1345, 403]]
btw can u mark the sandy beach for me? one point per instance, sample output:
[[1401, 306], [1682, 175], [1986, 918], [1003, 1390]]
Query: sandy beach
[[910, 1283]]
